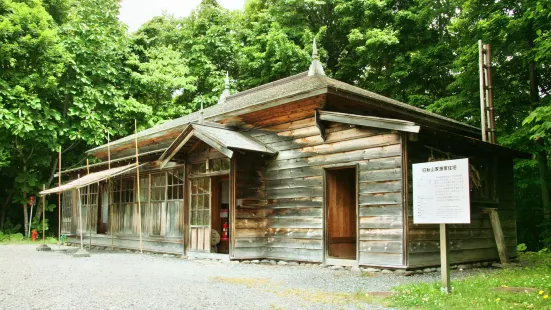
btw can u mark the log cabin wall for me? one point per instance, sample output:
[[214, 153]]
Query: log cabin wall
[[468, 242], [249, 228], [295, 187]]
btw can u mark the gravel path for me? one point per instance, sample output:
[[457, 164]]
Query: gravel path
[[120, 280]]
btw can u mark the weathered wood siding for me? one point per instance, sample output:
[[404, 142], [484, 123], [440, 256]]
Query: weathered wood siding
[[294, 188], [468, 242], [250, 214]]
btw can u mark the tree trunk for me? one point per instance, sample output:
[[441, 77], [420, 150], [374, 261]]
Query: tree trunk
[[544, 182], [25, 218], [3, 214]]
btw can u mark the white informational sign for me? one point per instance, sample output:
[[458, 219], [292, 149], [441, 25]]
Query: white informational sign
[[441, 192]]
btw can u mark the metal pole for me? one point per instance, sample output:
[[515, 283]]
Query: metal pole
[[43, 215], [80, 215], [482, 90], [490, 95], [88, 208], [109, 207], [138, 186]]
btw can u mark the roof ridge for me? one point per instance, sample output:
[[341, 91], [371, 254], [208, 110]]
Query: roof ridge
[[268, 85]]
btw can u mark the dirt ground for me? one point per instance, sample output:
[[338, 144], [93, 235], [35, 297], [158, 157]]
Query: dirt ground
[[120, 280]]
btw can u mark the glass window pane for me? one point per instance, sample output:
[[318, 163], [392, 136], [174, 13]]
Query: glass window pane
[[206, 219], [225, 164], [206, 201], [199, 218], [194, 186]]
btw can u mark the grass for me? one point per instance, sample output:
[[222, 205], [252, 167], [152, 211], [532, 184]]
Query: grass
[[483, 291], [20, 239]]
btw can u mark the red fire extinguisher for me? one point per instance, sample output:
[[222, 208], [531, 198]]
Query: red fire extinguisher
[[34, 234], [225, 231]]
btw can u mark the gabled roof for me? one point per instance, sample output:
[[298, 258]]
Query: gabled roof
[[223, 140], [291, 89]]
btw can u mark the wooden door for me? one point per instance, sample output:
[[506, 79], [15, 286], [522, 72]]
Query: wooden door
[[341, 213], [200, 214]]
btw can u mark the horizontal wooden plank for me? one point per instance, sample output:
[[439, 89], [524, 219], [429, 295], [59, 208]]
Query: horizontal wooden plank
[[315, 181], [457, 244], [340, 147], [456, 257], [385, 210], [295, 222], [465, 233], [294, 212], [242, 213], [294, 173], [369, 152], [381, 246], [249, 253], [296, 192], [380, 199], [303, 255], [381, 222], [293, 243], [250, 232], [316, 202], [381, 163], [381, 175], [394, 186], [381, 234], [314, 233], [242, 242], [250, 223], [315, 139], [380, 259]]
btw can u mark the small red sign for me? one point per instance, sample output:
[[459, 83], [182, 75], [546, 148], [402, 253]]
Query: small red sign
[[31, 200]]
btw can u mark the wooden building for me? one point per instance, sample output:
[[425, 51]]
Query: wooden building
[[306, 168]]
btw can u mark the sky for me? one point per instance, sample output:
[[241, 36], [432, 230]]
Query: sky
[[136, 12]]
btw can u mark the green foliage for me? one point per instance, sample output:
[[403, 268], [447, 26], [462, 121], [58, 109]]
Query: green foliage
[[521, 248], [482, 291]]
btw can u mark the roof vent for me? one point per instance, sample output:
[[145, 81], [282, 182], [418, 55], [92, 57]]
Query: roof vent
[[315, 67], [226, 91]]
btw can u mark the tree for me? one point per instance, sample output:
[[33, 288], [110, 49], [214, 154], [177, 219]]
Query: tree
[[32, 59]]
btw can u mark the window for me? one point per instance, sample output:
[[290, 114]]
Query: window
[[199, 168], [175, 186], [219, 164], [200, 202], [158, 186], [89, 203]]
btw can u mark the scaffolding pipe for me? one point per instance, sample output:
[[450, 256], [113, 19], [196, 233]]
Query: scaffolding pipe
[[490, 95], [138, 186], [482, 89], [88, 207], [59, 198]]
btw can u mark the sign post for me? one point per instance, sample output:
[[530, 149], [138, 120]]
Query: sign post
[[441, 196]]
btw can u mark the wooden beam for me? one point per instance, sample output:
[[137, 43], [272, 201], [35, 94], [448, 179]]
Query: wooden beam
[[369, 121], [498, 234], [182, 139], [320, 125]]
